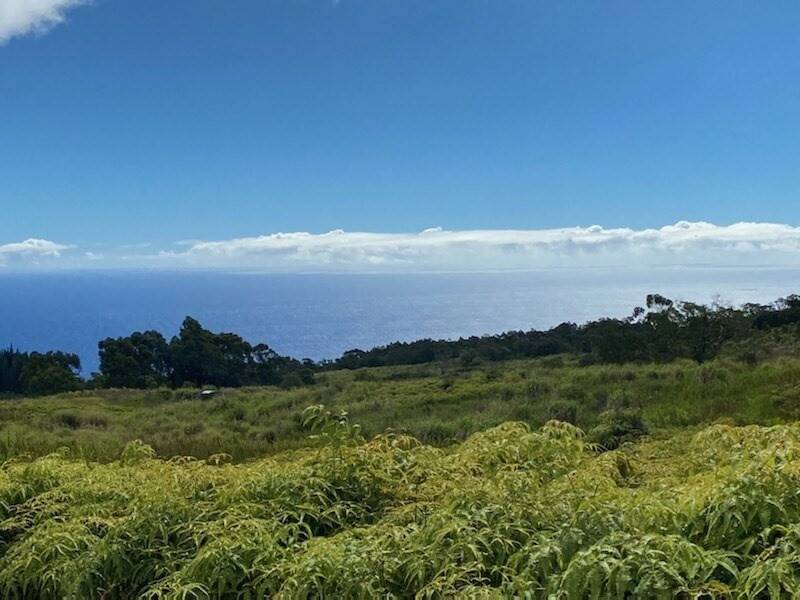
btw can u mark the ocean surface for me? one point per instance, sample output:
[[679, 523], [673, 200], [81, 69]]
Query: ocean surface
[[320, 316]]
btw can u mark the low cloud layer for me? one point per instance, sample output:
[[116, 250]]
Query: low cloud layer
[[683, 243], [20, 17], [30, 251]]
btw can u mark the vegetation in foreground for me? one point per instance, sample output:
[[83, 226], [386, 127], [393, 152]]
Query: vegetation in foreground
[[510, 512]]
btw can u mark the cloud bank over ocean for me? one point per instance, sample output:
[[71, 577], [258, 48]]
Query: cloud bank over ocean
[[437, 249]]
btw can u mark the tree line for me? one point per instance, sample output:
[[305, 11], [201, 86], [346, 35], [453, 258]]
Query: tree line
[[195, 357], [36, 373], [661, 331]]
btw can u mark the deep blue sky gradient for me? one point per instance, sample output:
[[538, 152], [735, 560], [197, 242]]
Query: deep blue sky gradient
[[152, 121]]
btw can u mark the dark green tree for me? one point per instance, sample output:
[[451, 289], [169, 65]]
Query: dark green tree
[[11, 363], [616, 341], [50, 373], [196, 357], [664, 321], [200, 357], [140, 360], [704, 329]]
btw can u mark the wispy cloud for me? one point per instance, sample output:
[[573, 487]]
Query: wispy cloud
[[437, 249], [20, 17]]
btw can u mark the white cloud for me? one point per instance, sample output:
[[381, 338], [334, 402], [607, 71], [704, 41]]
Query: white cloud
[[439, 249], [20, 17], [33, 246], [30, 252]]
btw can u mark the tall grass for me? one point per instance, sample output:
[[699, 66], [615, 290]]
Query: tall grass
[[437, 404]]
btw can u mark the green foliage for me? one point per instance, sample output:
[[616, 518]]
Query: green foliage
[[510, 512], [483, 484], [11, 363], [613, 404], [39, 373], [50, 373], [618, 427], [196, 356], [141, 360]]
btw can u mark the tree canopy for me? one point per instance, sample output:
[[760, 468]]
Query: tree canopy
[[194, 357], [37, 373]]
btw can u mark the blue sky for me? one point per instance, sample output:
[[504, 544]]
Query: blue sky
[[130, 125]]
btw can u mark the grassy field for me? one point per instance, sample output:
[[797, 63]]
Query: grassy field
[[510, 512], [436, 404], [532, 479]]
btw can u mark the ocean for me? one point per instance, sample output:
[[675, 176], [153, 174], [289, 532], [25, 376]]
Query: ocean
[[321, 316]]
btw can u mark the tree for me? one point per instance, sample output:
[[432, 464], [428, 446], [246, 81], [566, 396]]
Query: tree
[[141, 360], [615, 341], [783, 312], [664, 322], [50, 373], [703, 330], [201, 357], [265, 366], [11, 363], [196, 357]]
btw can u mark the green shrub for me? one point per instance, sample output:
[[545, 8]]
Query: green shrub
[[562, 410], [76, 420], [512, 512], [617, 427]]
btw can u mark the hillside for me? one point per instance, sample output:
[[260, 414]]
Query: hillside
[[545, 478], [438, 404]]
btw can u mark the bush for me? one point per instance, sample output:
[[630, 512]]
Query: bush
[[537, 389], [193, 428], [562, 410], [75, 420], [618, 427], [67, 419], [437, 434], [292, 380], [446, 382], [469, 358]]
